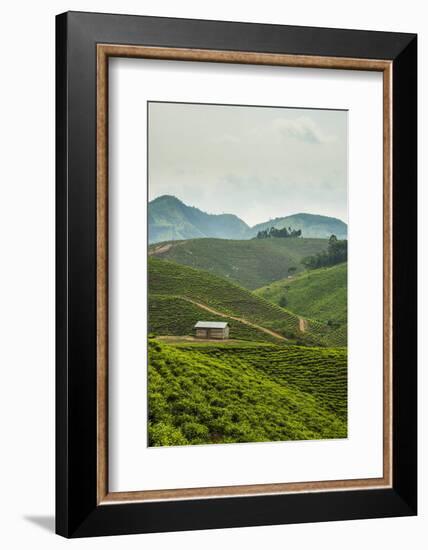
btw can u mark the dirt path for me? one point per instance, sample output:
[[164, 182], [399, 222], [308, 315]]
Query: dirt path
[[240, 319], [303, 324], [160, 249]]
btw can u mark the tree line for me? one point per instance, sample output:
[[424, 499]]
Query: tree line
[[283, 233], [336, 253]]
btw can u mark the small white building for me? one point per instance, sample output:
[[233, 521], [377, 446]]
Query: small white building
[[212, 329]]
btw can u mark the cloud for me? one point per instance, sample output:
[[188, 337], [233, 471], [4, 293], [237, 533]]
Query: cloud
[[302, 128], [225, 139]]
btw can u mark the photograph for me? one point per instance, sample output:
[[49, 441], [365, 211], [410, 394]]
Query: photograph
[[247, 274], [190, 359]]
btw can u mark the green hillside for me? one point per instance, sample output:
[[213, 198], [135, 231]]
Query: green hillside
[[318, 371], [324, 334], [174, 280], [319, 294], [179, 296], [201, 393], [251, 263], [311, 225]]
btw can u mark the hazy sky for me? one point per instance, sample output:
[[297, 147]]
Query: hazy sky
[[255, 162]]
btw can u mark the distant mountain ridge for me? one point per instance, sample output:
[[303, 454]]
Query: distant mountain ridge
[[170, 219]]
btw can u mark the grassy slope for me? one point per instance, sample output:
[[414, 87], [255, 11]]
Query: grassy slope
[[220, 394], [174, 280], [168, 280], [250, 263], [319, 371], [317, 294]]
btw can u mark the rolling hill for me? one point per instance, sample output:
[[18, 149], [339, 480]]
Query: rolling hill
[[249, 263], [179, 296], [319, 294], [257, 386], [202, 289], [212, 393], [169, 219]]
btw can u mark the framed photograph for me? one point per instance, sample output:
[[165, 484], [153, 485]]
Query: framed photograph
[[236, 274]]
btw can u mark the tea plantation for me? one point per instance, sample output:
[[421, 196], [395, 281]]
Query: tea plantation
[[168, 280], [174, 316], [320, 295], [254, 387], [229, 393], [315, 294]]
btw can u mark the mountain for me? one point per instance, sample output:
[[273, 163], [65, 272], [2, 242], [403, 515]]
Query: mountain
[[312, 226], [170, 219], [249, 263]]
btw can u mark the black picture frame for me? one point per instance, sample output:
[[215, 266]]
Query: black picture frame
[[77, 511]]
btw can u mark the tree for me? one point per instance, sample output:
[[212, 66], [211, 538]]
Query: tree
[[283, 301], [337, 252], [283, 233]]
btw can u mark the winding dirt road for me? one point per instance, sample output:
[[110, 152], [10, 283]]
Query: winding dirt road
[[240, 319]]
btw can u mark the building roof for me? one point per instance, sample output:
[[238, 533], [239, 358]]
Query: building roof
[[210, 324]]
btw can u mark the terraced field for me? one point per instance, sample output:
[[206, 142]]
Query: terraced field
[[319, 371], [174, 280], [227, 393], [173, 316], [255, 387], [168, 280]]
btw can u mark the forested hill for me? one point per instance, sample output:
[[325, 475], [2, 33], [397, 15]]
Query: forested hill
[[311, 226]]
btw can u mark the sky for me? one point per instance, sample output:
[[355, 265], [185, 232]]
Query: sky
[[256, 162]]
